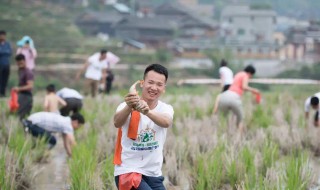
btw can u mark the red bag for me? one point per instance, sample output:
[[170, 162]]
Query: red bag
[[13, 101], [258, 98]]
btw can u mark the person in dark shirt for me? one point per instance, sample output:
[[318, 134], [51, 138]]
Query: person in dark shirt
[[5, 54], [25, 87]]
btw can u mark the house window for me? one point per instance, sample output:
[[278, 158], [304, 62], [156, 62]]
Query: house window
[[274, 20], [252, 18], [230, 20], [241, 31]]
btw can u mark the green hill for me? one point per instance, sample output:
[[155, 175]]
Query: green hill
[[51, 26]]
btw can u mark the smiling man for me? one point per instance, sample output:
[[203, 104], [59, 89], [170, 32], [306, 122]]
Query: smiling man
[[142, 133]]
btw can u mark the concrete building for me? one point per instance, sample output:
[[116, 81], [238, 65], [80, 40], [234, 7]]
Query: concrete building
[[242, 24], [249, 32]]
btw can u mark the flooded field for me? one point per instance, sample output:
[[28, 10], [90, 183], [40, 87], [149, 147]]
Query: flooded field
[[202, 151]]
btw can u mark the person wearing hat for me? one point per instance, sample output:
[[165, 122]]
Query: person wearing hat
[[26, 47]]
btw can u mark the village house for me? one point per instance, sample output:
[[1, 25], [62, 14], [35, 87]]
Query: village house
[[93, 23], [152, 31], [191, 24], [303, 43], [249, 32]]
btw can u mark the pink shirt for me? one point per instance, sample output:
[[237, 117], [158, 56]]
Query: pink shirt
[[30, 55], [238, 81]]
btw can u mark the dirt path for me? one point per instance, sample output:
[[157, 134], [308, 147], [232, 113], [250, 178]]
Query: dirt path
[[54, 174]]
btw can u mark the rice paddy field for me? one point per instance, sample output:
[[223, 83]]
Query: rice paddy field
[[202, 151]]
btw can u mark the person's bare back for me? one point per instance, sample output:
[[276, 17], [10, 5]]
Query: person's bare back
[[52, 102]]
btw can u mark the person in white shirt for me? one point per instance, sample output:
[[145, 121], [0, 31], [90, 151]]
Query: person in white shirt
[[73, 99], [141, 157], [43, 124], [95, 70], [226, 75], [313, 102]]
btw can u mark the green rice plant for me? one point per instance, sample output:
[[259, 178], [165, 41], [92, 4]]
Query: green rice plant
[[223, 122], [270, 153], [302, 122], [288, 116], [232, 173], [107, 173], [297, 174], [7, 180], [40, 150], [260, 117], [199, 113], [247, 158], [20, 145], [84, 163], [210, 173]]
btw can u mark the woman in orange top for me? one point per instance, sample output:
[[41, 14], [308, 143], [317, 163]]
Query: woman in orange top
[[231, 99]]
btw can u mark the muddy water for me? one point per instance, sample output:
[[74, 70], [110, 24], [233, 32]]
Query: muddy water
[[54, 174]]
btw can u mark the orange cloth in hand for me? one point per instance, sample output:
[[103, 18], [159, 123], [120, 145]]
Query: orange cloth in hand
[[134, 125], [132, 134], [13, 101], [129, 180]]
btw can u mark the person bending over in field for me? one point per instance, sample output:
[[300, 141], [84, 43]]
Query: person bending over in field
[[142, 124], [52, 101], [43, 124], [231, 99], [312, 102], [73, 99]]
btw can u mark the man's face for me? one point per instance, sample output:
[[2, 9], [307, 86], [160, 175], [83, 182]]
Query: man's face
[[2, 37], [103, 56], [315, 107], [153, 86], [21, 64], [75, 124]]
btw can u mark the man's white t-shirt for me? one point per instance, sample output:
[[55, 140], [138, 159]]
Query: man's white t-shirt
[[94, 70], [52, 122], [69, 93], [226, 74], [143, 155], [307, 103]]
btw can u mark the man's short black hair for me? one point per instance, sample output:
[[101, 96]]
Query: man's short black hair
[[78, 117], [223, 63], [156, 68], [314, 101], [20, 57], [250, 69], [103, 51], [27, 42], [51, 88], [2, 32]]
